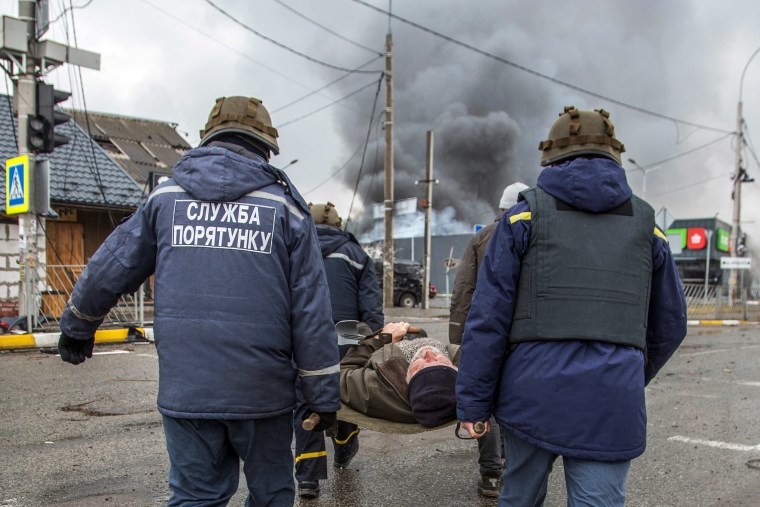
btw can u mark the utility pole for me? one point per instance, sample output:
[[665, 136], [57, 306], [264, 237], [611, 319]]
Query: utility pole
[[388, 244], [28, 59], [428, 204], [739, 177]]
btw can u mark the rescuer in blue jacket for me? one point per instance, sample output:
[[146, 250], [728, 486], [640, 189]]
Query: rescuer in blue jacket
[[578, 305], [355, 295], [242, 310]]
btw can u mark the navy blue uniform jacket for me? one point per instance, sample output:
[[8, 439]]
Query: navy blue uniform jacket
[[581, 399], [240, 290]]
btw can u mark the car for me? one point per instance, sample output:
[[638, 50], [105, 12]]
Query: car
[[407, 282]]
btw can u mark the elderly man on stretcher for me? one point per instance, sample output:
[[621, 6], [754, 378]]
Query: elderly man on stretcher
[[390, 379]]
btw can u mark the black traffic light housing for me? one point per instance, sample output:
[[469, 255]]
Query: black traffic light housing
[[42, 137]]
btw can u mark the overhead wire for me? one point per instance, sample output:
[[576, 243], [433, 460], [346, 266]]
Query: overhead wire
[[536, 73], [326, 29], [285, 47], [328, 105], [341, 168], [10, 111], [94, 163], [696, 183], [314, 92], [687, 152], [364, 152], [71, 8]]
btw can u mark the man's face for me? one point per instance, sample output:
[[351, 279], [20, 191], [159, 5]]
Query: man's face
[[427, 356]]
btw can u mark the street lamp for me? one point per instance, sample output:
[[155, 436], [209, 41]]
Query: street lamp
[[739, 178], [295, 160]]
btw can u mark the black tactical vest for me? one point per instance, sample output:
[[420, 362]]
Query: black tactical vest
[[585, 276]]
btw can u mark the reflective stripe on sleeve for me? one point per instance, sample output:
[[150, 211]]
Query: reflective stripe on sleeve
[[525, 215], [272, 197], [660, 234], [347, 259], [166, 190], [323, 371], [83, 316]]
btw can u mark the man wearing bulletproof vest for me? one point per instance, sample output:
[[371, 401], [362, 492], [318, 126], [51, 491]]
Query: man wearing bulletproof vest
[[577, 307]]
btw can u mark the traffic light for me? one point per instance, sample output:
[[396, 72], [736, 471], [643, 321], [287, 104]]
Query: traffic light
[[42, 135]]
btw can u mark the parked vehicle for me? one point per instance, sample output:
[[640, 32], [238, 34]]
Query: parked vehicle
[[407, 282]]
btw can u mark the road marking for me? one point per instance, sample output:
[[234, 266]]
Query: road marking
[[110, 352], [697, 395], [748, 383], [717, 351], [715, 443]]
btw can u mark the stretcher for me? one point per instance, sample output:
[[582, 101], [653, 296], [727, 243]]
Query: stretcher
[[350, 415]]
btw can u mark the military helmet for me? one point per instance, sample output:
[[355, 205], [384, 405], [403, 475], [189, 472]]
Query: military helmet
[[326, 214], [246, 116], [581, 132]]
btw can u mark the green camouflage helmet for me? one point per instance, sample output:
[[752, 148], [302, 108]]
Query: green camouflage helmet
[[580, 132], [326, 214], [246, 116]]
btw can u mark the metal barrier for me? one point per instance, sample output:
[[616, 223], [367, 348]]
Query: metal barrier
[[717, 304], [59, 282]]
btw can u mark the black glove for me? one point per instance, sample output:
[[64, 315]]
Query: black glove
[[326, 420], [75, 351]]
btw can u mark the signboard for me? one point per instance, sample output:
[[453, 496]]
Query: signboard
[[17, 185], [696, 238], [723, 240], [477, 227], [735, 262], [400, 207], [676, 239]]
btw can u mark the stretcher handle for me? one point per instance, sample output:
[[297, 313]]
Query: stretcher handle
[[479, 428], [414, 330], [310, 422]]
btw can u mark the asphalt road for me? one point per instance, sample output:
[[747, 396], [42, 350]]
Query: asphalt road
[[91, 436]]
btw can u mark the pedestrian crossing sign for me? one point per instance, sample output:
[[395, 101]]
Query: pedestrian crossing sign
[[17, 185]]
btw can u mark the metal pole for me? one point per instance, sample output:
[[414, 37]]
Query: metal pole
[[388, 245], [428, 207], [737, 201], [26, 103]]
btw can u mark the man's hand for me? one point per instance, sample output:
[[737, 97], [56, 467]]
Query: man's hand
[[326, 420], [75, 351], [397, 330], [472, 428]]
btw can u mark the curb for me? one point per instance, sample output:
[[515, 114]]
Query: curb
[[50, 340], [718, 322]]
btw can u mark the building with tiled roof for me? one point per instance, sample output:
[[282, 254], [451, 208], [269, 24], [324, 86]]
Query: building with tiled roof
[[140, 146], [95, 182]]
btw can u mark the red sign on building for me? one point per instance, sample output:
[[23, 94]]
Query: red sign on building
[[696, 238]]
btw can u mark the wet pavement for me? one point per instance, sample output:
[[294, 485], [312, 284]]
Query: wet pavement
[[90, 435]]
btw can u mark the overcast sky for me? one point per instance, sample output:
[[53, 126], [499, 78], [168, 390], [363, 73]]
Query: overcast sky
[[170, 59]]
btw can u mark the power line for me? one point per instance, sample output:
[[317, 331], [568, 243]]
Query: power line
[[283, 46], [336, 172], [536, 73], [364, 152], [320, 89], [694, 184], [328, 30], [329, 105], [71, 8], [687, 152]]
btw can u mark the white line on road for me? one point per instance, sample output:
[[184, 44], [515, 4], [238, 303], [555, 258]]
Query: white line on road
[[697, 395], [715, 443], [110, 352], [718, 351]]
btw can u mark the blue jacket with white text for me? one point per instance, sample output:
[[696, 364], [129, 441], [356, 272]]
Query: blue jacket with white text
[[576, 398], [242, 305]]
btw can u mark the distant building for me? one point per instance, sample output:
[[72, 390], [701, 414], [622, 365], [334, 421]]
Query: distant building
[[691, 240]]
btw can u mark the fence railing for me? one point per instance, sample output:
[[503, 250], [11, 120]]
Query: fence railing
[[718, 304], [59, 282], [136, 309]]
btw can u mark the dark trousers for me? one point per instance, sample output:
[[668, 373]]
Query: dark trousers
[[311, 453], [205, 459]]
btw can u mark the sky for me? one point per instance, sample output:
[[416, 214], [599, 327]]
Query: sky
[[488, 83]]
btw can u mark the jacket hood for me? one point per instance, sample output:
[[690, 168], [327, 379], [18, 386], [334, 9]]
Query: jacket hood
[[590, 184], [331, 238], [218, 174]]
